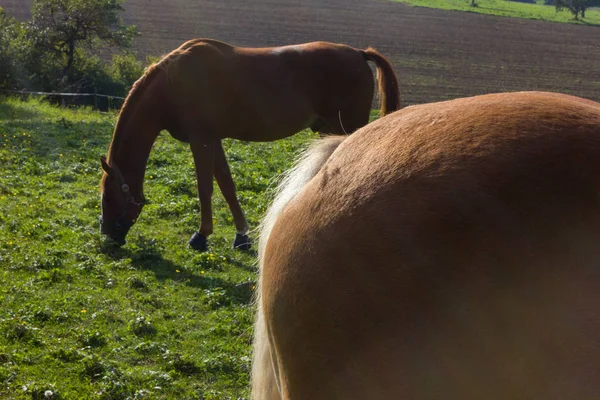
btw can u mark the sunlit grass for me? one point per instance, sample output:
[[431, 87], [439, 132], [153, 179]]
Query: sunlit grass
[[508, 8], [152, 320]]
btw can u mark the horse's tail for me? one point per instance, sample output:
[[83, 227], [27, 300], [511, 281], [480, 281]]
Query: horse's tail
[[265, 374], [389, 92]]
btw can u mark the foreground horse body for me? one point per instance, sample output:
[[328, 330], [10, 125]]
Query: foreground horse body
[[447, 251], [206, 90]]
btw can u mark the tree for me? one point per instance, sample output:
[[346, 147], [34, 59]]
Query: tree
[[576, 7], [10, 30], [65, 32]]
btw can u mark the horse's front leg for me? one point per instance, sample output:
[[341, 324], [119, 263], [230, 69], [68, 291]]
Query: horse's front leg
[[227, 186], [203, 150]]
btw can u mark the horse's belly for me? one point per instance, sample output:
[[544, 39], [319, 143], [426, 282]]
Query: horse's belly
[[266, 128], [356, 324]]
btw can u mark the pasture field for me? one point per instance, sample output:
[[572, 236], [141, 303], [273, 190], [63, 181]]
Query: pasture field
[[151, 320], [508, 8], [154, 319]]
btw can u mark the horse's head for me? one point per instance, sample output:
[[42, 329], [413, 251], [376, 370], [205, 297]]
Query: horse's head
[[119, 207]]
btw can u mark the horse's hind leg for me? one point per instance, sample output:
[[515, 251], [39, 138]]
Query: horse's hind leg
[[203, 150], [225, 181]]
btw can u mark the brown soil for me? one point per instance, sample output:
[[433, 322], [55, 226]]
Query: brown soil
[[437, 54]]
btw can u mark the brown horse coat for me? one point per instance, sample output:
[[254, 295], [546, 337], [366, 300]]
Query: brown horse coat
[[447, 251], [207, 90]]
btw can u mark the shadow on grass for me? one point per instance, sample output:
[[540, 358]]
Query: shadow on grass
[[148, 257], [246, 266]]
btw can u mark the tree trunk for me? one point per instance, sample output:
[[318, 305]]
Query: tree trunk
[[70, 57]]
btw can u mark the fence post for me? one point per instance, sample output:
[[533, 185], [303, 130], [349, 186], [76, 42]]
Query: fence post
[[96, 98]]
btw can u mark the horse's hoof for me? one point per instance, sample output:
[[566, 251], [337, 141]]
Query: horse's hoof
[[241, 242], [198, 242]]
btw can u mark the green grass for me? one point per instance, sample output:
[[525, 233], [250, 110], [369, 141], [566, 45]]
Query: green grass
[[506, 8], [152, 320]]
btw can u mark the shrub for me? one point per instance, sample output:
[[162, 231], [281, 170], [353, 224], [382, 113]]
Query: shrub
[[56, 50]]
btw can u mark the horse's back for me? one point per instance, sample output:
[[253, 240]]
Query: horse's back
[[272, 92], [448, 250]]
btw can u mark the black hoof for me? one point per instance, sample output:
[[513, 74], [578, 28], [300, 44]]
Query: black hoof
[[198, 242], [241, 242], [114, 242]]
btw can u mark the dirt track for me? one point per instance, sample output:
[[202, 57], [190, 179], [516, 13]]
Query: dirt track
[[437, 55]]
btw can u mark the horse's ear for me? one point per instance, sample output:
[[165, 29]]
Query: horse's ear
[[105, 165]]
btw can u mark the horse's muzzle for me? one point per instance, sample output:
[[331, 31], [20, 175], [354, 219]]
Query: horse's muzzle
[[115, 231]]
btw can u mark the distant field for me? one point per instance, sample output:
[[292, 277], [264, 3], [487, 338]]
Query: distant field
[[437, 54], [506, 8]]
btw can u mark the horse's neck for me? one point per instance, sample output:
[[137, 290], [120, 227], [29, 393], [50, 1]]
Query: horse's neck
[[132, 142]]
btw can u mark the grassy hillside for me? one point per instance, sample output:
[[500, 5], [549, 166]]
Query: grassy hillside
[[507, 8], [152, 320]]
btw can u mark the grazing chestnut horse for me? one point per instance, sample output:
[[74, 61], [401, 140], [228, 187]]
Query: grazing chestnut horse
[[207, 90], [447, 251]]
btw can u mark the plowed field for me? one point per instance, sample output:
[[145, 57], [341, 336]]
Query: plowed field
[[437, 54]]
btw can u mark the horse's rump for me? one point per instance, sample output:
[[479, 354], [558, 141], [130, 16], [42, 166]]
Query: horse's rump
[[265, 378], [449, 250]]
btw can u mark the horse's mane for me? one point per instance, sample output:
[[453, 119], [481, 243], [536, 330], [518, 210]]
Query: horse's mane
[[128, 105], [132, 99]]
